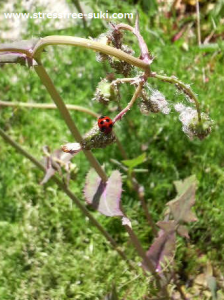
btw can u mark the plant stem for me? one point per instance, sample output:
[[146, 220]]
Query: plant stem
[[145, 54], [48, 106], [121, 148], [80, 10], [84, 43], [147, 262], [122, 80], [141, 195], [185, 88], [46, 80], [69, 193], [198, 23], [133, 99]]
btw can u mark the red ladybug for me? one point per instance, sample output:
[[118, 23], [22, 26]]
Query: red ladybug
[[105, 124]]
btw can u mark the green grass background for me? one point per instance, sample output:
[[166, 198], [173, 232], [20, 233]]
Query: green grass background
[[48, 249]]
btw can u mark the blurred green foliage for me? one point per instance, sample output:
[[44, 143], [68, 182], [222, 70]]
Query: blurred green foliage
[[48, 250]]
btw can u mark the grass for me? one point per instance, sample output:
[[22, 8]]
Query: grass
[[48, 250]]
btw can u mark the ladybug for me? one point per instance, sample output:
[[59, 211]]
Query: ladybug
[[105, 124]]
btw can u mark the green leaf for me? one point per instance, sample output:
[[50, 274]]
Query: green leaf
[[212, 285], [181, 206], [132, 163], [182, 185]]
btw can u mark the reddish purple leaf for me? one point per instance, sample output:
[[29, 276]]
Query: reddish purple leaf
[[162, 250], [104, 196]]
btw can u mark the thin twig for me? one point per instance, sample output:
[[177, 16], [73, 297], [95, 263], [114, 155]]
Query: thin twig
[[133, 99], [145, 54], [123, 80], [80, 10], [48, 106], [185, 88], [198, 23]]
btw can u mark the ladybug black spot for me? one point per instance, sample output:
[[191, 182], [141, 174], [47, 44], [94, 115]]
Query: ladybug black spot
[[111, 125], [103, 128], [101, 122], [107, 120]]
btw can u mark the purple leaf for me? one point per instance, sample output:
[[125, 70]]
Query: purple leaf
[[161, 252], [181, 206], [104, 196]]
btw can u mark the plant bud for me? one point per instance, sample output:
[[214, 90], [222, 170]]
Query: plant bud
[[97, 139], [191, 125], [154, 103], [104, 40], [106, 92]]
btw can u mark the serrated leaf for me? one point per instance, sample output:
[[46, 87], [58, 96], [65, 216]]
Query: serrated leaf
[[181, 206], [104, 196], [182, 185], [162, 250], [132, 163]]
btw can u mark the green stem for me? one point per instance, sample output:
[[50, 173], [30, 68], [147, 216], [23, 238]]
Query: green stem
[[80, 10], [46, 80], [185, 88], [48, 106], [69, 193], [84, 43]]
